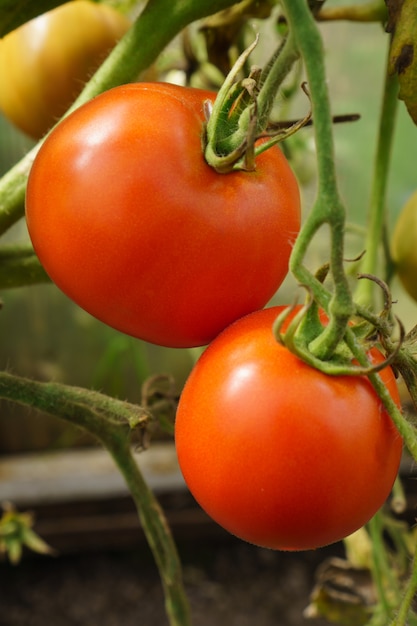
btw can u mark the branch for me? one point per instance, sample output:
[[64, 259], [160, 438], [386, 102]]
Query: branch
[[111, 421]]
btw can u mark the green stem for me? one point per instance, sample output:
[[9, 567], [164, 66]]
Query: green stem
[[328, 207], [364, 294], [157, 25], [398, 497], [111, 421], [12, 191], [158, 535], [234, 124], [410, 594], [380, 565], [19, 266], [272, 78], [407, 431]]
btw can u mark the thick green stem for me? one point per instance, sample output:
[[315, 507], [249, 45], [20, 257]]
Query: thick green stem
[[12, 191], [410, 594], [377, 210], [158, 535], [19, 266], [272, 78], [234, 123], [328, 208], [157, 25], [380, 565], [111, 421]]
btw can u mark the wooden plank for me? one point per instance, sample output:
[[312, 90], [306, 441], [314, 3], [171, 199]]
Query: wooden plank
[[82, 474]]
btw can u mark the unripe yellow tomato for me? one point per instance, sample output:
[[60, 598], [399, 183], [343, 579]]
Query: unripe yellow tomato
[[404, 246], [45, 63]]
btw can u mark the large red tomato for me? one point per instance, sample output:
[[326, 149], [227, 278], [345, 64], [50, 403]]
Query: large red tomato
[[45, 63], [278, 453], [132, 224]]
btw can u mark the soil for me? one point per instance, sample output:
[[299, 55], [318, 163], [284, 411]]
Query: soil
[[103, 572], [228, 583]]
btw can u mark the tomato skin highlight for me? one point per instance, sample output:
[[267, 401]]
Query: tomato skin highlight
[[131, 223], [279, 454], [45, 63]]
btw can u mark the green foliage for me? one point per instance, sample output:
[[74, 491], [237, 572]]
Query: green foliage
[[158, 23], [16, 533]]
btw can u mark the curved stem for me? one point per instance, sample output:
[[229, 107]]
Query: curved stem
[[155, 27], [111, 421], [157, 533], [328, 207], [144, 41], [241, 111], [364, 294], [272, 77], [407, 431]]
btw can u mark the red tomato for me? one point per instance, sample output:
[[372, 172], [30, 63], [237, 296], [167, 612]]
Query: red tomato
[[132, 224], [45, 63], [278, 453]]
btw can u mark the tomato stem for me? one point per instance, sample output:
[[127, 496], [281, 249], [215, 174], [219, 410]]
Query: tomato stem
[[328, 207], [329, 210], [381, 570], [19, 266], [112, 422], [242, 109], [364, 293]]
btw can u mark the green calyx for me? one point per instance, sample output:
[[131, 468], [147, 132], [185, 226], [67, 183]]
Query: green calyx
[[238, 125]]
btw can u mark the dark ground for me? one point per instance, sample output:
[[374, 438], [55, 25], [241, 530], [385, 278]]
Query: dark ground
[[105, 575], [228, 583]]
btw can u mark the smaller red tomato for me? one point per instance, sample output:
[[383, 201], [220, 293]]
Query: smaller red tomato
[[278, 453], [45, 63]]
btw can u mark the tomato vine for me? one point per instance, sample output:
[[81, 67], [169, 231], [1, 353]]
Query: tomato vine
[[113, 423], [246, 104]]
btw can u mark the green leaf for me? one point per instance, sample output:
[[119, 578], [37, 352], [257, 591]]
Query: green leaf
[[14, 13], [16, 532], [403, 52], [14, 551], [35, 543]]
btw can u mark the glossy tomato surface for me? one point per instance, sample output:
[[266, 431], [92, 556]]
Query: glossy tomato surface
[[132, 224], [45, 63], [276, 452]]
